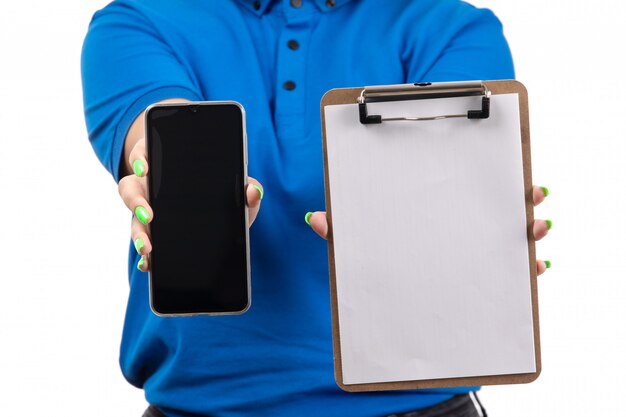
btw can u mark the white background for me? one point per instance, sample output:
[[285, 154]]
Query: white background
[[64, 230]]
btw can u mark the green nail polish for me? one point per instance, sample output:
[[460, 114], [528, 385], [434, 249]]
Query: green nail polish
[[548, 264], [307, 217], [139, 245], [141, 262], [139, 167], [259, 190], [545, 191], [549, 223], [142, 214]]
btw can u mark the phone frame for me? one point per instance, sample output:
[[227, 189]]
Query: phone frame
[[246, 215]]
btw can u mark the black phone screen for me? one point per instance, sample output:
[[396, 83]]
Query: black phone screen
[[196, 181]]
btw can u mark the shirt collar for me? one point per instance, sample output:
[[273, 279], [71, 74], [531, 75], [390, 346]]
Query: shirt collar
[[259, 7]]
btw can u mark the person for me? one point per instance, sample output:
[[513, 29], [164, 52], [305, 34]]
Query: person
[[277, 58]]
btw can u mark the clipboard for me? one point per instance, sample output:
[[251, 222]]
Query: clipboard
[[372, 140]]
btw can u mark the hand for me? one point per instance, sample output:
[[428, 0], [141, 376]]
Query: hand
[[319, 224], [133, 190]]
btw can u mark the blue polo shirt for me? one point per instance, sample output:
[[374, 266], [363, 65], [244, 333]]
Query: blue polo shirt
[[277, 58]]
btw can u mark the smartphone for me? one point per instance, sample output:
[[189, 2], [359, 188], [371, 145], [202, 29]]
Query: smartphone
[[197, 155]]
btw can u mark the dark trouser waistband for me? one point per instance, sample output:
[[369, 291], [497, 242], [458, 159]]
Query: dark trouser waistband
[[153, 411], [460, 405]]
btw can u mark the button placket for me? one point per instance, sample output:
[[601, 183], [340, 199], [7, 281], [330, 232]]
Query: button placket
[[291, 65]]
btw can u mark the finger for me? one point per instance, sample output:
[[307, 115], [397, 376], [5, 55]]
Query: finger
[[254, 195], [542, 266], [141, 237], [132, 189], [539, 194], [144, 264], [138, 160], [540, 228], [318, 223]]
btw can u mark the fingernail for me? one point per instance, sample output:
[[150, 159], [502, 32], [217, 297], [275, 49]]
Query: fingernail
[[259, 190], [139, 245], [545, 191], [549, 223], [307, 218], [139, 167], [548, 264], [141, 262], [142, 214]]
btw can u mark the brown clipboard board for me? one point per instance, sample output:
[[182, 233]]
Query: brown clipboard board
[[409, 92]]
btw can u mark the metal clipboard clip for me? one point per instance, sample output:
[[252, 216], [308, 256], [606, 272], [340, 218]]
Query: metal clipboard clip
[[421, 91]]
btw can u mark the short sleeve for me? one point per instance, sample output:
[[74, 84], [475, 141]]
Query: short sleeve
[[469, 45], [126, 65]]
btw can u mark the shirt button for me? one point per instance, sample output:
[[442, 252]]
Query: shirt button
[[330, 3], [296, 3], [257, 5], [289, 85], [293, 44]]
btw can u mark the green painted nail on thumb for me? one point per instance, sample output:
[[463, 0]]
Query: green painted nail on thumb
[[260, 190]]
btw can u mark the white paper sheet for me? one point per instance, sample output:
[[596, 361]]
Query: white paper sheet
[[431, 252]]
